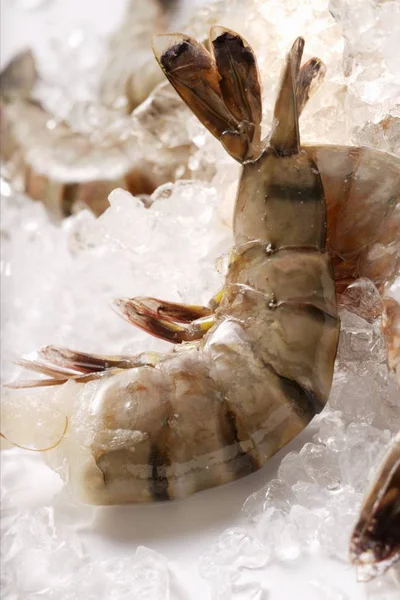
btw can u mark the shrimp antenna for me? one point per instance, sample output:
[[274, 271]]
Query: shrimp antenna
[[56, 443]]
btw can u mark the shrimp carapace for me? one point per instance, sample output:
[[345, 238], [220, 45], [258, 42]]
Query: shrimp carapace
[[254, 367]]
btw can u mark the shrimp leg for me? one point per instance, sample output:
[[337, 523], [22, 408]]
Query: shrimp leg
[[173, 311], [162, 318], [146, 317], [62, 364]]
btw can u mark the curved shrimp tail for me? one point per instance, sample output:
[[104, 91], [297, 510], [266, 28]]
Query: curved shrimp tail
[[222, 89]]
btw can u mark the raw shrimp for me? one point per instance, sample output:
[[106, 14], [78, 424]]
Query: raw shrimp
[[255, 366], [66, 168]]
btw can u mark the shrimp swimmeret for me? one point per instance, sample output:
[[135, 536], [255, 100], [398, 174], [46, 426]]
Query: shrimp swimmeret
[[255, 366]]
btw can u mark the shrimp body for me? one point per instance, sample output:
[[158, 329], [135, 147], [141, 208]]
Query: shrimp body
[[252, 368], [218, 410]]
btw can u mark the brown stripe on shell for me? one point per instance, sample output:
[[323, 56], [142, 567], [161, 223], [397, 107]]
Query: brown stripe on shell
[[69, 194], [315, 312], [281, 202], [306, 403], [159, 461], [245, 462]]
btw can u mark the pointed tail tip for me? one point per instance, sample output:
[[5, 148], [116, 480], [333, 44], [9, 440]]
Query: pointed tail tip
[[298, 45], [161, 43], [118, 305], [217, 31], [126, 308]]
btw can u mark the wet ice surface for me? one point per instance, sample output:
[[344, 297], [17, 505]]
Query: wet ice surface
[[307, 504]]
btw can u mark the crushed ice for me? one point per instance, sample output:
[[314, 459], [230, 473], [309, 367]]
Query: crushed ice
[[75, 271], [41, 559]]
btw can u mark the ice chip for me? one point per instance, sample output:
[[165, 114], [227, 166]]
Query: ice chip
[[291, 469], [310, 495], [243, 588], [236, 586], [234, 548], [307, 523], [40, 556], [335, 531], [331, 432], [276, 494], [360, 343], [361, 454], [144, 576], [278, 533], [321, 465], [354, 396]]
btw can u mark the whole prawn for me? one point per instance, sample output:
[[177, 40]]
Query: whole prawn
[[255, 366], [259, 362]]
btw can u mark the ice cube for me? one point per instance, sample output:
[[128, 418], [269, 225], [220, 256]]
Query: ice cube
[[145, 576], [307, 523], [234, 548], [310, 495], [321, 465], [39, 556], [276, 494], [279, 534], [335, 531], [236, 586], [291, 470], [331, 432]]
